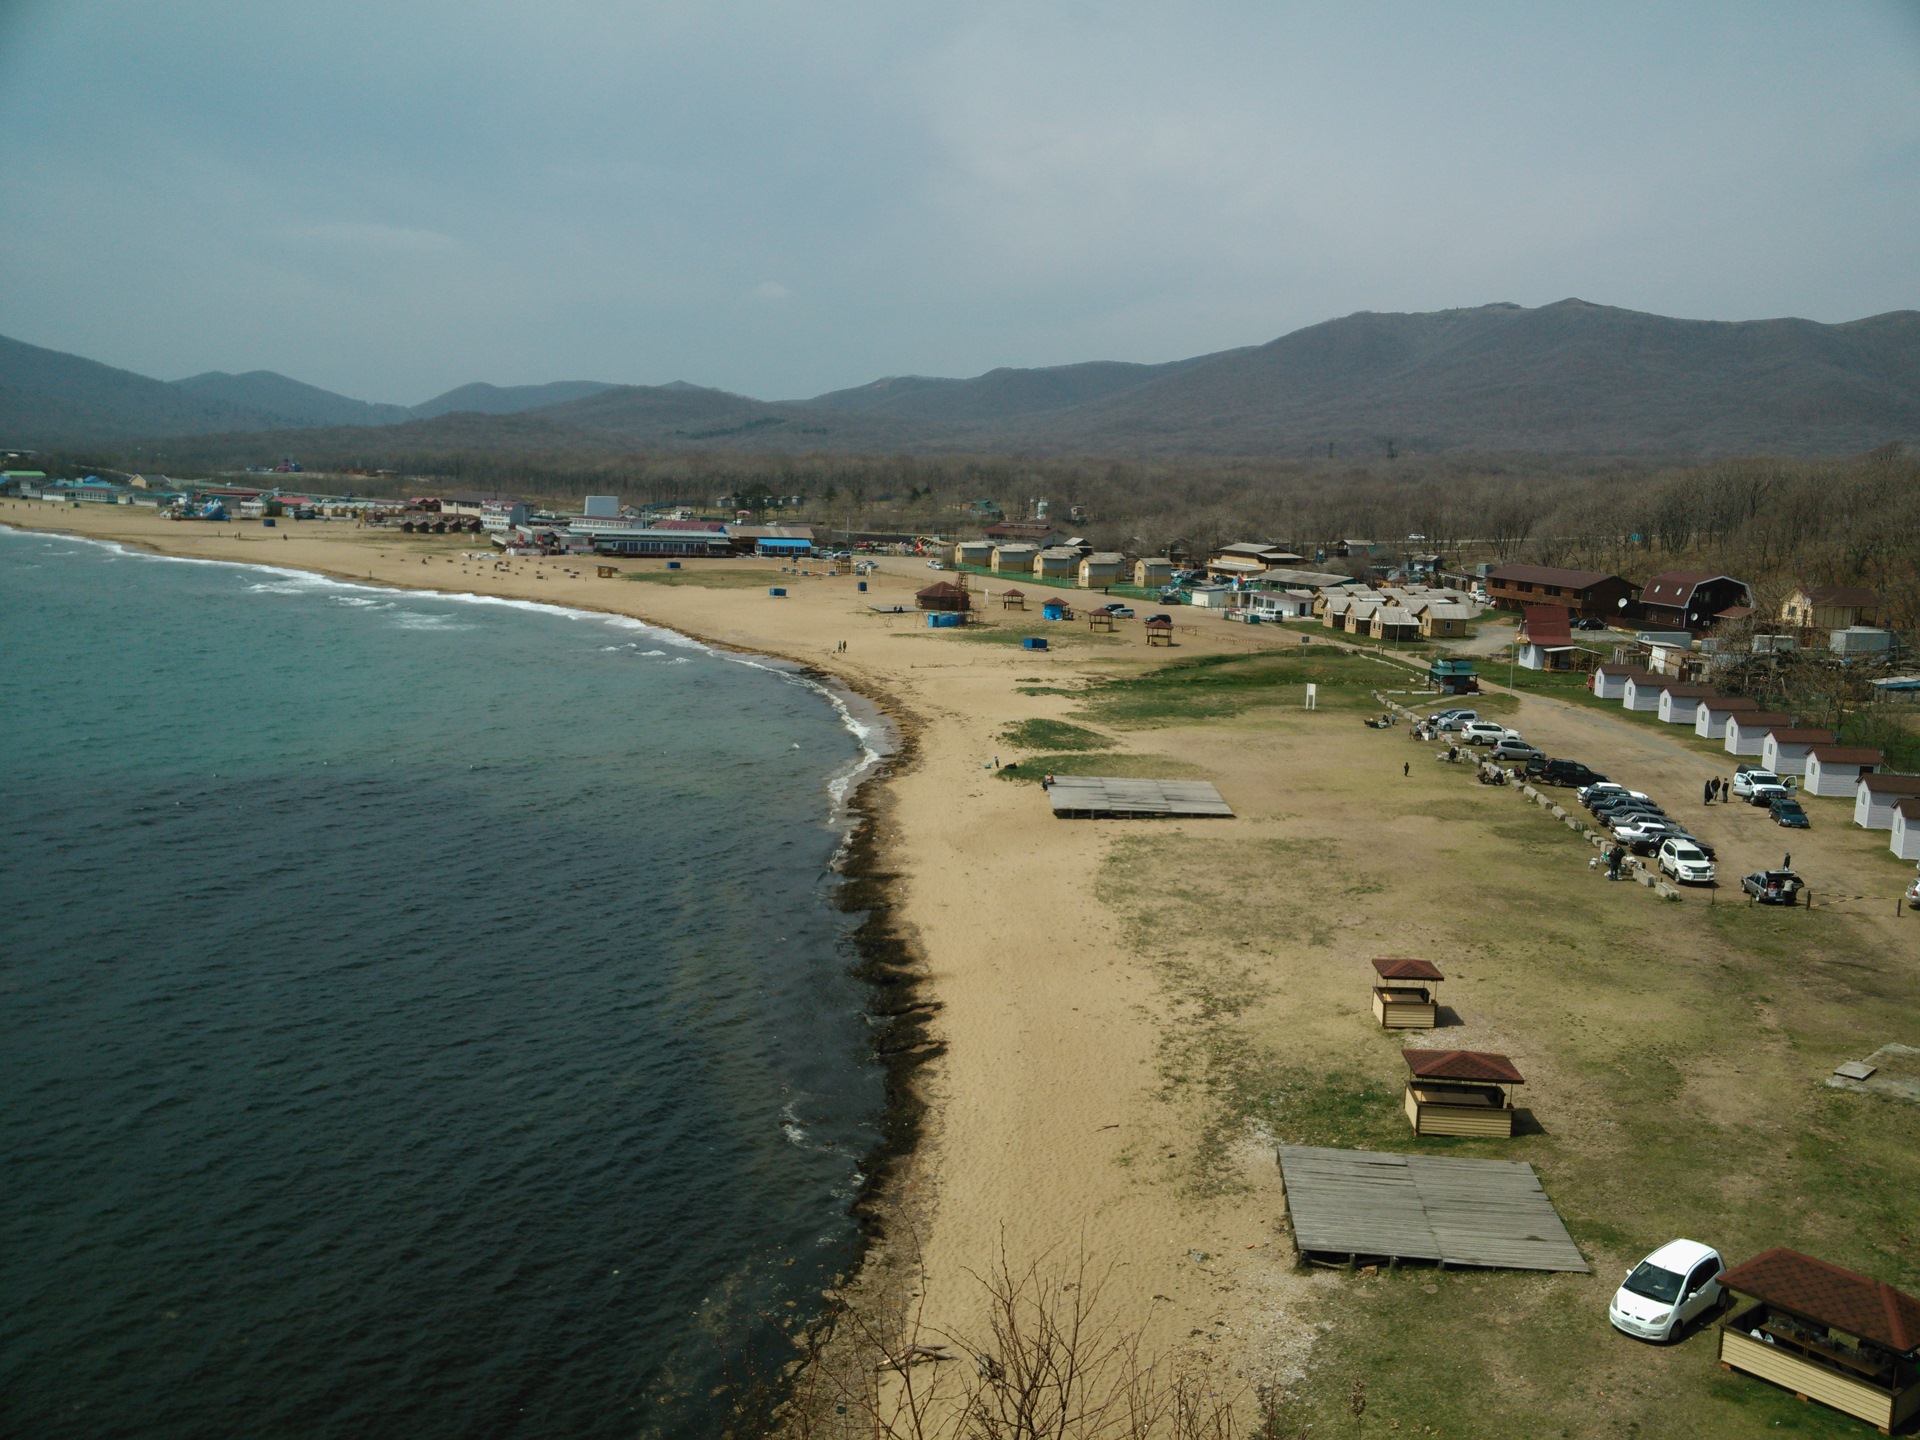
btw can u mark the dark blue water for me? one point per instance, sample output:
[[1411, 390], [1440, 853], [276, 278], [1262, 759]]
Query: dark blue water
[[417, 1018]]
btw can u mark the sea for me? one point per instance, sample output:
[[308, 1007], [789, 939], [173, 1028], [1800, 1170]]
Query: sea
[[420, 1015]]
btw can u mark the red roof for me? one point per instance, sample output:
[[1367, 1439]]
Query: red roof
[[1846, 755], [1628, 672], [1692, 692], [1546, 625], [1482, 1065], [940, 590], [1761, 719], [1893, 784], [1829, 1295], [1782, 736], [1011, 591], [1551, 575], [1407, 970], [1159, 622], [1732, 702], [709, 526], [1909, 808], [1676, 587]]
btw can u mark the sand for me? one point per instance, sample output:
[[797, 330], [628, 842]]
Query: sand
[[1048, 1023]]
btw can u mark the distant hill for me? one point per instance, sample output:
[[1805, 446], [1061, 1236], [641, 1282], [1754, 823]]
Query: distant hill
[[484, 399], [289, 403], [1568, 379]]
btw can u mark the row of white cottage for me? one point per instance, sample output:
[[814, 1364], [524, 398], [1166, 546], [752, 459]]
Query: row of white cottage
[[1880, 802]]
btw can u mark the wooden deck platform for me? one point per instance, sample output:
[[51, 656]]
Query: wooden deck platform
[[1372, 1206], [1088, 797]]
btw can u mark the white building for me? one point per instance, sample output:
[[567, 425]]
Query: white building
[[1642, 692], [1836, 769], [1710, 716], [1906, 829], [1747, 729], [1680, 704], [1785, 751], [1876, 795]]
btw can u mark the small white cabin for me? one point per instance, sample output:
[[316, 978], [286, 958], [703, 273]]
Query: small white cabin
[[1680, 704], [1610, 681], [1836, 769], [1710, 716], [1747, 729], [1905, 841], [1875, 796], [1642, 692], [1784, 751]]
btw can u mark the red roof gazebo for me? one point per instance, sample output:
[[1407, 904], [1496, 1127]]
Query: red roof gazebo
[[1460, 1092], [1406, 996]]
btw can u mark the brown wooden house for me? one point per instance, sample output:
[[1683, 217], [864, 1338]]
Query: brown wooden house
[[1406, 995], [1460, 1092], [1825, 1334], [1586, 593], [943, 595]]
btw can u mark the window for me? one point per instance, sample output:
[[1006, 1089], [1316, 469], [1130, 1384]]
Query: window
[[1553, 589], [1526, 585]]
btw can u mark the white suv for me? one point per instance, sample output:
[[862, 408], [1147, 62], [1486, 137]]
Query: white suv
[[1486, 732], [1686, 862], [1745, 780]]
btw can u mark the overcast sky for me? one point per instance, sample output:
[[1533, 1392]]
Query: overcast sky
[[393, 198]]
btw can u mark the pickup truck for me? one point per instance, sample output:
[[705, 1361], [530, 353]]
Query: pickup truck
[[1748, 776]]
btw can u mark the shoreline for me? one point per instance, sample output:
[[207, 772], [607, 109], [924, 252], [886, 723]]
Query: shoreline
[[887, 965]]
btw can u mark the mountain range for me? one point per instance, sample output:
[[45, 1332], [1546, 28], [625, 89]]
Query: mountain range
[[1570, 378]]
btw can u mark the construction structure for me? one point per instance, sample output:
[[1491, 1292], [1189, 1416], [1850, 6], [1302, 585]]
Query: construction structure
[[1352, 1207]]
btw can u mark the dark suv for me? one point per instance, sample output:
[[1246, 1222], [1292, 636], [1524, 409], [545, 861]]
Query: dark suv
[[1564, 772]]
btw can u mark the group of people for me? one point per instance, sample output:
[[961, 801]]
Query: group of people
[[1716, 789]]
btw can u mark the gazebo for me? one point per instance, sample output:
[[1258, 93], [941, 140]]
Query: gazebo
[[1013, 599], [1460, 1092], [1159, 630], [1406, 995], [1099, 620], [1826, 1334], [943, 595]]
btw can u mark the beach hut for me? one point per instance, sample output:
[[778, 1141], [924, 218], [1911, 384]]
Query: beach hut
[[1159, 630], [1439, 619], [1393, 622], [1011, 599], [1333, 611], [1610, 681], [1406, 994], [1905, 839], [1151, 574], [944, 596], [1101, 569], [1680, 704], [1015, 559], [1825, 1334], [974, 552], [1710, 715], [1642, 692], [1058, 563], [1876, 795], [1747, 729], [1784, 750], [1460, 1092], [1056, 610], [1836, 769]]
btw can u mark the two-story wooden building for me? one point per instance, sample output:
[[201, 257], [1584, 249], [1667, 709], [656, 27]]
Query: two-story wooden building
[[1585, 593]]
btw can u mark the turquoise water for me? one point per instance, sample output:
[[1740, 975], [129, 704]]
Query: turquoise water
[[422, 1017]]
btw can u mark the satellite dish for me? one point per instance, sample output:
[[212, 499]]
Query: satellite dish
[[1621, 602]]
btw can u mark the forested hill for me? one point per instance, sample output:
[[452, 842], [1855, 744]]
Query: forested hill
[[1568, 379]]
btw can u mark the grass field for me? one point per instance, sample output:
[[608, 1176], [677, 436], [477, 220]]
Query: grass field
[[1675, 1057], [711, 578]]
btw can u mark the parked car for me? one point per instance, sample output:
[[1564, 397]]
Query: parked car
[[1773, 887], [1625, 805], [1913, 894], [1591, 795], [1786, 811], [1694, 840], [1162, 616], [1748, 776], [1119, 611], [1582, 622], [1567, 772], [1763, 796], [1485, 732], [1685, 861], [1452, 719], [1676, 1284], [1636, 830], [1513, 748]]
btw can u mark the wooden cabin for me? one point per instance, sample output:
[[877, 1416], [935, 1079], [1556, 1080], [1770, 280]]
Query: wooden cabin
[[1014, 559], [974, 552], [1825, 1334], [1460, 1092], [943, 596], [1153, 572], [1058, 563], [1406, 995], [1101, 569]]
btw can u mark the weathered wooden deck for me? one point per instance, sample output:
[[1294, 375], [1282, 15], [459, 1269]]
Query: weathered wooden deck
[[1084, 797], [1373, 1206]]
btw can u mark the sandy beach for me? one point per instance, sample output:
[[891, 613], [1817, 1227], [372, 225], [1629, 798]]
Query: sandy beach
[[1125, 1016], [1047, 1023]]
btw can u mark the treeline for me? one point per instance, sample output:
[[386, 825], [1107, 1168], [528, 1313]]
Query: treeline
[[1771, 522]]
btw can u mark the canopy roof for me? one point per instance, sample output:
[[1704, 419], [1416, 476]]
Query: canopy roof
[[1853, 1304], [1403, 969], [1480, 1065]]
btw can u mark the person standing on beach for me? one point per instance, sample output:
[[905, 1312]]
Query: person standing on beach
[[1706, 792], [1406, 770]]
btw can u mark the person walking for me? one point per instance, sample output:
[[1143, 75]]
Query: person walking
[[1706, 792], [1614, 857], [1406, 770]]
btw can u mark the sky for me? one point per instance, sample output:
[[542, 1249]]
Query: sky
[[394, 198]]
